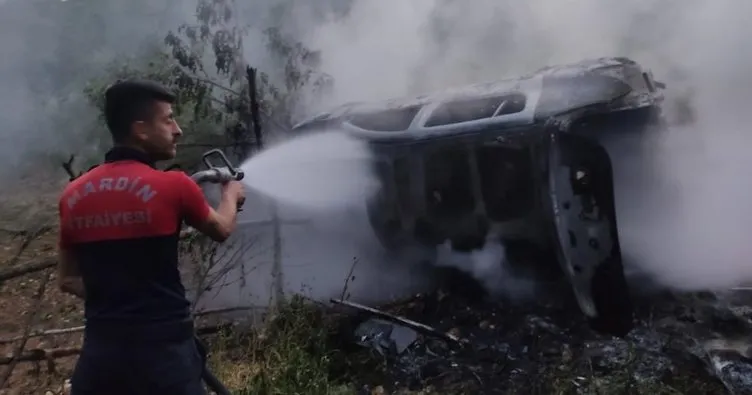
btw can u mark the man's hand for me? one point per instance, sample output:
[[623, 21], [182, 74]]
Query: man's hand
[[217, 224], [234, 191], [68, 276]]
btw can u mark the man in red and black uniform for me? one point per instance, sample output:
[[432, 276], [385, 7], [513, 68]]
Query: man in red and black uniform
[[119, 230]]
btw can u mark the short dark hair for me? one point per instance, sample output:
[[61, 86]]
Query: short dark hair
[[128, 101]]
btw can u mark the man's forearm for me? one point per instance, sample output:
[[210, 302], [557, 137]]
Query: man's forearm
[[68, 276], [228, 211]]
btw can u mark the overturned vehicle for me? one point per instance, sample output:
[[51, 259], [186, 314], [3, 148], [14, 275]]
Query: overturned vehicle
[[527, 157]]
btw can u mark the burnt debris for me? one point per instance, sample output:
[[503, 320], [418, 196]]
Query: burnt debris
[[680, 342]]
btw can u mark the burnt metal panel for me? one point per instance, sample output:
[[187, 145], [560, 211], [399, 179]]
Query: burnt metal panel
[[393, 120], [564, 93], [476, 108]]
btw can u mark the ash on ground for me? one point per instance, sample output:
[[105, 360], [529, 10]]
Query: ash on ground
[[682, 344]]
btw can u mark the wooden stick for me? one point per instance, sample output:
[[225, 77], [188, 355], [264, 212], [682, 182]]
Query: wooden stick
[[50, 332], [14, 272], [425, 329], [223, 310], [76, 329], [347, 279], [29, 237], [39, 354], [26, 232], [68, 167]]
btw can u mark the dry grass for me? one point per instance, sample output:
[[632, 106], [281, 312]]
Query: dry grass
[[293, 353]]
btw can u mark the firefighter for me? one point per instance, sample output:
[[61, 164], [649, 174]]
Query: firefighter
[[118, 248]]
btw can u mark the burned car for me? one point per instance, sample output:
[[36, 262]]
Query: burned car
[[526, 156]]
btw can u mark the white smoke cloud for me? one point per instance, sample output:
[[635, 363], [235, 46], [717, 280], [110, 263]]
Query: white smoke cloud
[[688, 229]]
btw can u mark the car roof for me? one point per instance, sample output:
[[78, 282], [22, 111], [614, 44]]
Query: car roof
[[507, 103], [524, 84]]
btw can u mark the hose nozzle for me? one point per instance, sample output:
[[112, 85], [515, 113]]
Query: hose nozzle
[[217, 174]]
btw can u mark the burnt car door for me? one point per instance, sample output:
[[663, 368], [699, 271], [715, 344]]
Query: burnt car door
[[581, 198]]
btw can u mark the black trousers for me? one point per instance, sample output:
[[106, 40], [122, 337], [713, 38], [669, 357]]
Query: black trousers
[[114, 367]]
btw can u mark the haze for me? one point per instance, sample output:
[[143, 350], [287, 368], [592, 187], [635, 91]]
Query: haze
[[690, 230]]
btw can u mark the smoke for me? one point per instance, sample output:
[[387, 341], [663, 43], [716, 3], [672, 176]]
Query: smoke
[[53, 48], [687, 227], [490, 267]]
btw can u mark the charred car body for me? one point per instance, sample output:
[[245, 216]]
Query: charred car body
[[526, 157]]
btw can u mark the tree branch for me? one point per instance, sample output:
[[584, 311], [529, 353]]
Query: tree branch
[[76, 329], [39, 354], [50, 332], [13, 272], [29, 237]]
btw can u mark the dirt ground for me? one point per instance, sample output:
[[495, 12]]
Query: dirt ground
[[28, 236], [56, 311]]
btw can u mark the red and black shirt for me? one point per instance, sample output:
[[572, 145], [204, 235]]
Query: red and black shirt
[[122, 222]]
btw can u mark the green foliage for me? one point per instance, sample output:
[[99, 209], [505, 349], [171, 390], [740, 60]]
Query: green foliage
[[302, 73], [196, 107], [291, 355], [213, 103], [216, 34], [196, 112]]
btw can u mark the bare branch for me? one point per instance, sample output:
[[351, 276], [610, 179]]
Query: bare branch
[[348, 279], [214, 84], [26, 232], [29, 237], [14, 272], [68, 167], [38, 354], [77, 329], [50, 332], [425, 329]]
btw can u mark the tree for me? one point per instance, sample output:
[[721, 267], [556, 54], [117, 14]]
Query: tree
[[196, 109], [217, 38]]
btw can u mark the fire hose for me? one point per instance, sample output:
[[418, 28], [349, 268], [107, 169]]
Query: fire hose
[[221, 174], [209, 378]]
